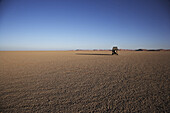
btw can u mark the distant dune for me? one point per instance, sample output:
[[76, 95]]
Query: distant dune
[[84, 81]]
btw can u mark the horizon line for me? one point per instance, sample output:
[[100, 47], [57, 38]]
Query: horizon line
[[91, 50]]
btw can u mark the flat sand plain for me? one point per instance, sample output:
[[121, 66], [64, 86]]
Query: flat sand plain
[[84, 81]]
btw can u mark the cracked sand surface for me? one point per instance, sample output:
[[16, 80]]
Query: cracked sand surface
[[84, 81]]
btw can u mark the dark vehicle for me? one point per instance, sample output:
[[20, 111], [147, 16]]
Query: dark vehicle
[[115, 50]]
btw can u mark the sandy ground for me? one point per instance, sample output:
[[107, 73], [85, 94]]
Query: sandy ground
[[84, 81]]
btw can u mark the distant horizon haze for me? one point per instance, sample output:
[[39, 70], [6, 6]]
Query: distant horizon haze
[[84, 24]]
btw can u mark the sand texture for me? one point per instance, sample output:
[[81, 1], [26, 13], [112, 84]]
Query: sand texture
[[85, 81]]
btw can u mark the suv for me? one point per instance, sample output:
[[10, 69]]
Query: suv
[[115, 50]]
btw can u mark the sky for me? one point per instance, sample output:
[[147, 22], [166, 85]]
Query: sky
[[84, 24]]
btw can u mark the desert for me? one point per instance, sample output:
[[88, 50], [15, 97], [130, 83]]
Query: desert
[[84, 81]]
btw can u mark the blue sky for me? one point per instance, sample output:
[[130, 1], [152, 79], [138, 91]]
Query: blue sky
[[84, 24]]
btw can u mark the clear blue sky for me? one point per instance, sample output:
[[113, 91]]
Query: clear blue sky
[[84, 24]]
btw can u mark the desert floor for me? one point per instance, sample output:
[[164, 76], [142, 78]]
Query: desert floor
[[85, 81]]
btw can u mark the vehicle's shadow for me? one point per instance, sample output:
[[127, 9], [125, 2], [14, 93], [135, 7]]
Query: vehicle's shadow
[[91, 54]]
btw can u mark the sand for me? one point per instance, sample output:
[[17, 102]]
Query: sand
[[85, 81]]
